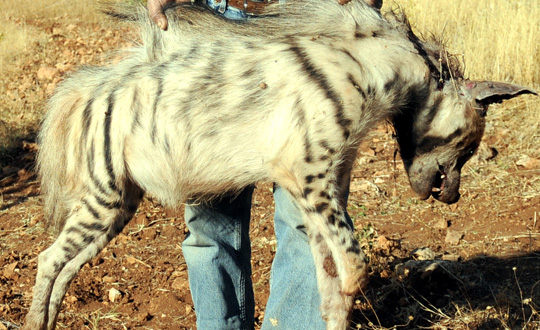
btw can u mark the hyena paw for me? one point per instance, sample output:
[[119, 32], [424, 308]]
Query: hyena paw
[[29, 325], [337, 313], [356, 278]]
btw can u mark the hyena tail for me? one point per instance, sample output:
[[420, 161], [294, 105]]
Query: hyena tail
[[52, 158]]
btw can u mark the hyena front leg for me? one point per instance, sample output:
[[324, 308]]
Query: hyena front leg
[[341, 267], [91, 223], [335, 305]]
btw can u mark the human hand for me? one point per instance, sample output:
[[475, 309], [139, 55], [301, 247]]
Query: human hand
[[155, 10]]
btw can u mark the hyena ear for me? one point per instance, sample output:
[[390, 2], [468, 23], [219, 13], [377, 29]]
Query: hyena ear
[[488, 92]]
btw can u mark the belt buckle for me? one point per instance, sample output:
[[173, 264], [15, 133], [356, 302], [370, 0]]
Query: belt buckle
[[245, 9], [222, 7]]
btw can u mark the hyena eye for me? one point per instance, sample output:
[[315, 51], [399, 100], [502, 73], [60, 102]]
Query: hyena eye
[[469, 152]]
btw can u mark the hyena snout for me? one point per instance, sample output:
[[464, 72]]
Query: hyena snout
[[445, 187], [435, 180]]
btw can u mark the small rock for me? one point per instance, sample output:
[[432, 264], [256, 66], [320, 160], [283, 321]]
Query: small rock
[[363, 186], [384, 243], [57, 31], [114, 294], [453, 237], [96, 261], [149, 234], [122, 238], [450, 257], [30, 146], [378, 149], [385, 274], [144, 316], [9, 270], [442, 224], [130, 260], [423, 254], [364, 160], [108, 279], [47, 73], [368, 152], [528, 163], [486, 152], [179, 284]]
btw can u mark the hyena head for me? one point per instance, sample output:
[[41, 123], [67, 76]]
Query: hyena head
[[443, 134]]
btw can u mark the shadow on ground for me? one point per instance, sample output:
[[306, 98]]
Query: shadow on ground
[[18, 180], [481, 293]]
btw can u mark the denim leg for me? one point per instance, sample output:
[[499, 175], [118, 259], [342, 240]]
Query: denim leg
[[294, 301], [217, 252], [294, 298]]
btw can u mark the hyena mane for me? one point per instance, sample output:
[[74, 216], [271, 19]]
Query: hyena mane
[[288, 20]]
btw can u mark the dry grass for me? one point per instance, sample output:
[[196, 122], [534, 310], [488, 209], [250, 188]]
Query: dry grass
[[499, 39], [81, 10], [27, 29], [17, 36]]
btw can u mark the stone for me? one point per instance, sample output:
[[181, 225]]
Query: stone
[[47, 73]]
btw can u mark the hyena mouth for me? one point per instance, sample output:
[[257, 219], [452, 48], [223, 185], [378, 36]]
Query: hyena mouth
[[438, 184]]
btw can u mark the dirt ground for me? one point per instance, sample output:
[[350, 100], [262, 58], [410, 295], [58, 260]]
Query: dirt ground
[[471, 265]]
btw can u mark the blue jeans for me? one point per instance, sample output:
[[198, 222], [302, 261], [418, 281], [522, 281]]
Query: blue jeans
[[217, 252], [228, 12]]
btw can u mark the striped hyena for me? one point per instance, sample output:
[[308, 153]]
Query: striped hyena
[[212, 106]]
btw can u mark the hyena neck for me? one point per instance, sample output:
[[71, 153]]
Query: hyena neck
[[411, 119], [406, 96], [415, 91]]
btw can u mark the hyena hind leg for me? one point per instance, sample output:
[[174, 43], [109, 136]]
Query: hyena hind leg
[[90, 225]]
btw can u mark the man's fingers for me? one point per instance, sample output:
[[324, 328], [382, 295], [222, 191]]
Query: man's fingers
[[160, 20], [155, 10]]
